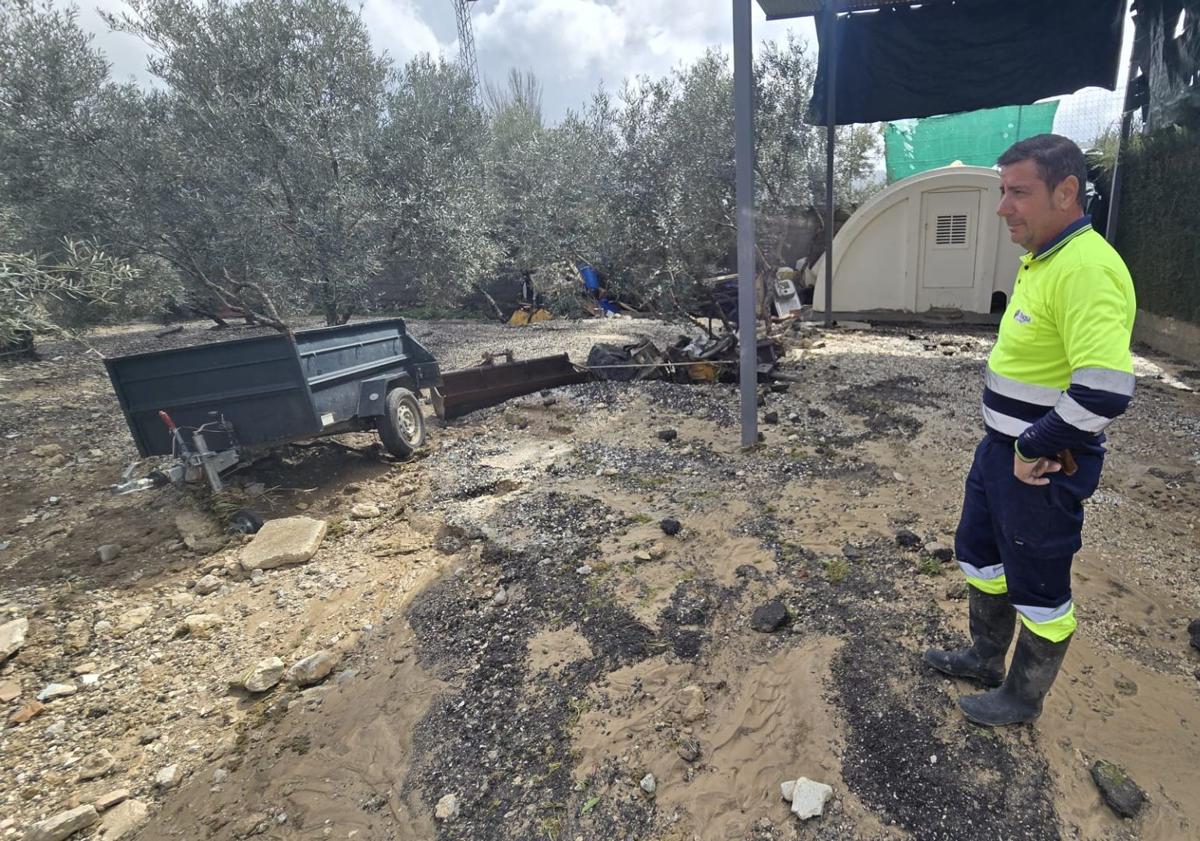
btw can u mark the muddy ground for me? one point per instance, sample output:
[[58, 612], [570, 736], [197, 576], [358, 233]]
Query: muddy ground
[[614, 650]]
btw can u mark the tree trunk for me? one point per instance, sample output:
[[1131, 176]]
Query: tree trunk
[[499, 313]]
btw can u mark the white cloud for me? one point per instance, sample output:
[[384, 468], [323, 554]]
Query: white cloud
[[397, 27]]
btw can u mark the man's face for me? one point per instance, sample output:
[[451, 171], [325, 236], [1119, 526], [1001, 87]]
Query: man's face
[[1035, 214]]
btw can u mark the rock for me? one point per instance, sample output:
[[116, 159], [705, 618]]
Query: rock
[[583, 569], [198, 532], [748, 571], [670, 526], [447, 808], [57, 690], [908, 539], [1119, 791], [312, 669], [131, 620], [106, 801], [649, 784], [12, 637], [667, 434], [290, 540], [500, 598], [219, 776], [46, 450], [851, 553], [956, 590], [77, 637], [208, 585], [689, 750], [1194, 632], [148, 735], [1125, 686], [771, 417], [808, 797], [769, 617], [691, 700], [643, 557], [10, 690], [786, 788], [123, 819], [200, 625], [939, 552], [96, 765], [168, 777], [264, 675], [108, 552], [63, 825], [364, 511], [178, 600], [27, 712]]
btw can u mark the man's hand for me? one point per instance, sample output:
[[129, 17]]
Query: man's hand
[[1034, 472]]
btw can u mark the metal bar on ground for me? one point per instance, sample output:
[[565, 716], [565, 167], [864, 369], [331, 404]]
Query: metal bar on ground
[[830, 24], [469, 389], [743, 123]]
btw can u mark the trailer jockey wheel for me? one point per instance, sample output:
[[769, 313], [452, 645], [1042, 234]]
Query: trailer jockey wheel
[[401, 427]]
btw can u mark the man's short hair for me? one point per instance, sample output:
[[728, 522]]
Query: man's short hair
[[1055, 156]]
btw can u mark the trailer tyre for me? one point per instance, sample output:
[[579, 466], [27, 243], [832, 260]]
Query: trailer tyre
[[401, 428]]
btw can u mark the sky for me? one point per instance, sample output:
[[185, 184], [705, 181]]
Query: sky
[[572, 46]]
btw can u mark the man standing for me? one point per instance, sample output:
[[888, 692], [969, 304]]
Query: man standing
[[1059, 373]]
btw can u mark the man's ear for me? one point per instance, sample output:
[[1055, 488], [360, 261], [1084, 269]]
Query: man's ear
[[1065, 193]]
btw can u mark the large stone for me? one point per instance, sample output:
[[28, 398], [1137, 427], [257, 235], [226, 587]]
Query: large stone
[[691, 702], [312, 669], [108, 552], [769, 617], [96, 765], [208, 584], [447, 808], [364, 511], [46, 450], [12, 637], [1194, 632], [77, 638], [27, 712], [264, 675], [290, 540], [1119, 791], [808, 797], [168, 777], [199, 625], [57, 690], [10, 690], [131, 620], [63, 825], [123, 819], [106, 801], [199, 532]]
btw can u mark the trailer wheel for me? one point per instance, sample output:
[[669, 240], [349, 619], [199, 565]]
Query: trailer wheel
[[401, 428]]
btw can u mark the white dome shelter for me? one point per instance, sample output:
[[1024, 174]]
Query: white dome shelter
[[932, 241]]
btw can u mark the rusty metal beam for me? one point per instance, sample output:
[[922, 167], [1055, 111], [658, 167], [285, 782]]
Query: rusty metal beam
[[468, 389]]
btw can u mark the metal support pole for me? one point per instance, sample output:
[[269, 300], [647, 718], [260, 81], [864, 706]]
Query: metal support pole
[[1110, 224], [830, 23], [743, 125]]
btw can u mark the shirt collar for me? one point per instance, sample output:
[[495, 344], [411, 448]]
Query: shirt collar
[[1083, 223]]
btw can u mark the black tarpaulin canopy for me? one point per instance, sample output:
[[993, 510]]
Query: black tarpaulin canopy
[[941, 58]]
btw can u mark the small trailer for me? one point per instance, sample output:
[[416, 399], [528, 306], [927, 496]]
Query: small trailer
[[212, 406]]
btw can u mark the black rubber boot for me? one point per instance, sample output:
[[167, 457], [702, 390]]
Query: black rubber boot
[[992, 621], [1034, 667]]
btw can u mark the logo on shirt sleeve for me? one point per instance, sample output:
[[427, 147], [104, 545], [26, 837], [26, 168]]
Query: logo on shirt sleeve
[[1022, 317]]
